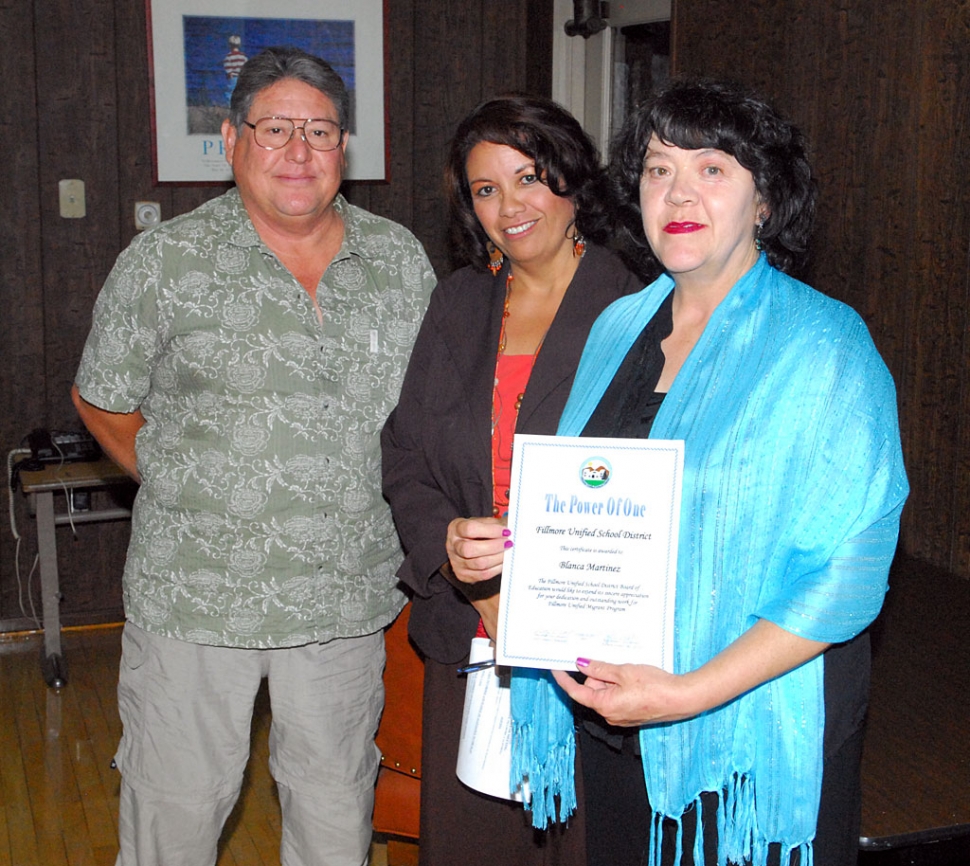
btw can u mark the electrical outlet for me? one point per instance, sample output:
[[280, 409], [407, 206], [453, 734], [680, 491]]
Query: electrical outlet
[[147, 214], [71, 195]]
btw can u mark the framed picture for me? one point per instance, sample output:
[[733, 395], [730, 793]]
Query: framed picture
[[197, 47]]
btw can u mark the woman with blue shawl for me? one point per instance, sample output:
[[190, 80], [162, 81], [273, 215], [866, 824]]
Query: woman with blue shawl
[[749, 752]]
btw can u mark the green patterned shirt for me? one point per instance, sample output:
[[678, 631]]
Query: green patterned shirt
[[259, 521]]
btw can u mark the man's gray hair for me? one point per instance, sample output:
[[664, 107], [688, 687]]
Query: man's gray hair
[[276, 64]]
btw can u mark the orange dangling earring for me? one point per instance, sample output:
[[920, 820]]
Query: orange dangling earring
[[495, 258], [579, 242]]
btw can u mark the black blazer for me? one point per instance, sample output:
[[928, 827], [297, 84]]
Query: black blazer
[[437, 442]]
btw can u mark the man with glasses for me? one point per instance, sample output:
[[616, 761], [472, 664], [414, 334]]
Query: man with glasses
[[254, 347]]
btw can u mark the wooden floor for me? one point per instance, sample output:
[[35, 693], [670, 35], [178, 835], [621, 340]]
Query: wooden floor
[[59, 795]]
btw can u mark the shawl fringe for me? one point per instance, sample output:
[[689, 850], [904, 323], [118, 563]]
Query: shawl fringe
[[544, 757], [739, 840]]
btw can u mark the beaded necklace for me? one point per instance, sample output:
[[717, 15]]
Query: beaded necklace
[[496, 401]]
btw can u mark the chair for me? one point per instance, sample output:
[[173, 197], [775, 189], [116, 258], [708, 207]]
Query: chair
[[398, 795]]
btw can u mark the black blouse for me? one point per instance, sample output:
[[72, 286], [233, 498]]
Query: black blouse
[[631, 402], [626, 411]]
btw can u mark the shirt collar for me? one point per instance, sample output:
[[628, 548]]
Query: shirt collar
[[354, 238], [242, 232]]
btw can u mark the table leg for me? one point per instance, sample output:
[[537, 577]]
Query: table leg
[[53, 664]]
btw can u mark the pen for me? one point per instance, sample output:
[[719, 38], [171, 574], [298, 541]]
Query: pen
[[477, 666]]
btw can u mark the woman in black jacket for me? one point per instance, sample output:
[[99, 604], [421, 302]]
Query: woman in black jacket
[[496, 355]]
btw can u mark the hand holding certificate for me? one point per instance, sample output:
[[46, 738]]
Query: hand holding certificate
[[593, 568]]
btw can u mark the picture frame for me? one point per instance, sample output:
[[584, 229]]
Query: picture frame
[[196, 47]]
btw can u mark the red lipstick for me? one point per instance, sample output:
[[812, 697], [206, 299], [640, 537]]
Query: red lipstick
[[682, 228]]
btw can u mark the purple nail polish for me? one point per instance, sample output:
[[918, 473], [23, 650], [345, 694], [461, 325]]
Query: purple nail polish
[[582, 663], [508, 544], [506, 532]]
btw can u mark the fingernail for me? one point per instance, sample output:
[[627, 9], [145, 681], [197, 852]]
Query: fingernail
[[506, 532], [508, 544], [582, 663]]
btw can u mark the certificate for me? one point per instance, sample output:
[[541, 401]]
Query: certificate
[[485, 743], [592, 571]]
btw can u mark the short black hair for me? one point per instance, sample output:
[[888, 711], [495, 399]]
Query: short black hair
[[694, 113], [276, 64], [553, 139]]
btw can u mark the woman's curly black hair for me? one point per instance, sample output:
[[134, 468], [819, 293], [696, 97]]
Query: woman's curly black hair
[[552, 138], [700, 113]]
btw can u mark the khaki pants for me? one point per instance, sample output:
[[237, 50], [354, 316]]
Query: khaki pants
[[187, 711]]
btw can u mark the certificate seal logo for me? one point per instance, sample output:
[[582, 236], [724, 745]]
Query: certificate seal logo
[[595, 472]]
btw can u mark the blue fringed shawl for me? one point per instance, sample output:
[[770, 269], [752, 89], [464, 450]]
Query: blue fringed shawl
[[793, 488]]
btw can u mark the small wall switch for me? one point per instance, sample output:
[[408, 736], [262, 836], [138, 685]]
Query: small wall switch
[[147, 214], [71, 193]]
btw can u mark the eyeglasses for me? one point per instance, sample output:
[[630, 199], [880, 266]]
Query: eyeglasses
[[272, 133]]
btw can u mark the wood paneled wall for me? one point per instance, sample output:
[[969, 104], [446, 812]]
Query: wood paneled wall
[[882, 91], [75, 104]]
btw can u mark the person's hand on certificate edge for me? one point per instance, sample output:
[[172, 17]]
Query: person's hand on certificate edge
[[476, 552], [631, 695], [627, 695]]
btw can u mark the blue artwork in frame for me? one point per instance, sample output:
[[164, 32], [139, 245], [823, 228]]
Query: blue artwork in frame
[[197, 48], [216, 48]]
